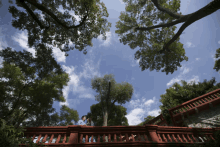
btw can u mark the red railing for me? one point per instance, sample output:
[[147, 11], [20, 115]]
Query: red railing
[[144, 135], [159, 120], [193, 106]]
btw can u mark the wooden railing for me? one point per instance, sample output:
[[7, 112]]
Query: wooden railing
[[196, 105], [145, 135], [159, 120]]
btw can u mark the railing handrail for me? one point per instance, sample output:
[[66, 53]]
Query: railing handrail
[[85, 130], [159, 117], [195, 99]]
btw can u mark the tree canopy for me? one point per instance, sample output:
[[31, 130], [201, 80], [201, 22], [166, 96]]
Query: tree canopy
[[23, 95], [146, 119], [55, 26], [116, 117], [110, 91], [159, 48], [178, 94]]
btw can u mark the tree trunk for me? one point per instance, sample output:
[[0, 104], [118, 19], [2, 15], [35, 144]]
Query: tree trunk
[[105, 123]]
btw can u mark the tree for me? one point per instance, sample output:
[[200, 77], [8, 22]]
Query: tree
[[178, 94], [110, 91], [146, 119], [158, 48], [115, 118], [23, 90], [53, 25], [217, 62], [68, 115]]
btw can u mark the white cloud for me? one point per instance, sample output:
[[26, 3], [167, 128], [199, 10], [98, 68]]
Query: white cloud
[[219, 42], [22, 40], [197, 59], [154, 112], [75, 85], [121, 1], [195, 78], [174, 80], [90, 69], [184, 69], [134, 116], [106, 42], [136, 94], [133, 61], [189, 44], [150, 101], [140, 107]]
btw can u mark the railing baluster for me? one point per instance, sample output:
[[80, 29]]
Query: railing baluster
[[189, 138], [179, 138], [191, 105], [139, 137], [58, 139], [115, 139], [194, 138], [109, 137], [169, 138], [33, 137], [211, 137], [203, 100], [212, 96], [145, 136], [64, 139], [174, 138], [45, 137], [207, 137], [51, 138], [98, 139], [38, 138], [164, 137], [184, 138], [217, 95], [159, 137]]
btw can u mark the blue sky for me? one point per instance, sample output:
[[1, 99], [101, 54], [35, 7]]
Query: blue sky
[[201, 39]]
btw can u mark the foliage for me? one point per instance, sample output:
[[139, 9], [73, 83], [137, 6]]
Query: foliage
[[146, 119], [68, 115], [217, 62], [25, 96], [177, 94], [56, 28], [160, 48], [11, 137], [119, 93], [116, 117]]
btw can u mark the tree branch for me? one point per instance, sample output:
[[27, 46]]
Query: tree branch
[[10, 112], [203, 12], [32, 14], [165, 10], [180, 20], [44, 9]]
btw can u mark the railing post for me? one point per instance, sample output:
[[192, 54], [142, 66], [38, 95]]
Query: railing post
[[153, 133], [73, 138]]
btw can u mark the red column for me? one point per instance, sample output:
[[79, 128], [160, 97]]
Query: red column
[[73, 138]]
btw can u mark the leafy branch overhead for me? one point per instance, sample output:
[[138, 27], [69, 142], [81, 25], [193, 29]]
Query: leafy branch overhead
[[54, 28], [139, 26]]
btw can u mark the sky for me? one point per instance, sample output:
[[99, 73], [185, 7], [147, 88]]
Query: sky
[[201, 40]]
